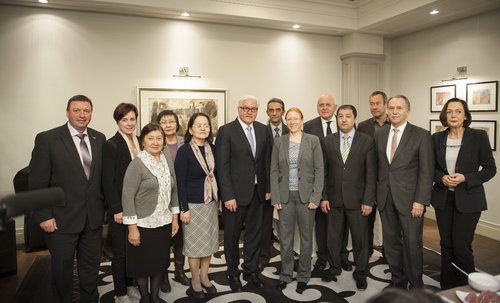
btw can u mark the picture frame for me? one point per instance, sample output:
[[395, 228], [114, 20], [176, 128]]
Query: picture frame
[[441, 94], [489, 126], [482, 96], [183, 102]]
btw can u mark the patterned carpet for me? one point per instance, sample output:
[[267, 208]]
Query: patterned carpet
[[344, 290]]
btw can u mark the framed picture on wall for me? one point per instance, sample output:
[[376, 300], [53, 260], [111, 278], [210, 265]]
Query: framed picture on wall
[[482, 96], [183, 102], [489, 126], [441, 94]]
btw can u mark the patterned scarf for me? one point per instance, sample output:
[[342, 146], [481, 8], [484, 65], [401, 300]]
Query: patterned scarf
[[210, 188]]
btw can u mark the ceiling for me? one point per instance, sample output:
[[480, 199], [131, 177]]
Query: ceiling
[[389, 18]]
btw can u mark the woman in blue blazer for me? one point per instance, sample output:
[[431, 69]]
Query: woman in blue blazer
[[463, 163]]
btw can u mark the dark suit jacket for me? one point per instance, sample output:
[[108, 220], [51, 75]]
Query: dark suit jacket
[[270, 130], [236, 165], [55, 162], [367, 127], [475, 152], [115, 160], [314, 127], [411, 172], [353, 183]]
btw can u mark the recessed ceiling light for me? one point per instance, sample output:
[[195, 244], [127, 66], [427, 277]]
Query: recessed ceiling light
[[434, 12], [185, 14], [43, 1], [296, 26]]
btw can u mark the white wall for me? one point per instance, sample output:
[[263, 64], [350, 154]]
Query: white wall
[[421, 60]]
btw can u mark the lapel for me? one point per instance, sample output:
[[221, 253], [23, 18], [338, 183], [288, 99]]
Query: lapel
[[441, 149], [336, 146], [93, 146], [354, 146], [462, 153], [406, 136], [71, 148], [384, 137], [243, 137], [286, 148]]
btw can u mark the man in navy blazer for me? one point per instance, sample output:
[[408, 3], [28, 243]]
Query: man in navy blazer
[[69, 156], [349, 191], [243, 163], [404, 185]]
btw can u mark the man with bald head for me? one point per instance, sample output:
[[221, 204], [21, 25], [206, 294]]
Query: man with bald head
[[243, 157], [322, 126]]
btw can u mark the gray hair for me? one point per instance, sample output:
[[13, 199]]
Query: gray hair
[[402, 97], [247, 97]]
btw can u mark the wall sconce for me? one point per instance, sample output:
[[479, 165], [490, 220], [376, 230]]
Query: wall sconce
[[461, 74], [184, 73]]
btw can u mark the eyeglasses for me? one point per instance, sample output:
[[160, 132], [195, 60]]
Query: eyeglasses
[[249, 109], [168, 122], [200, 126]]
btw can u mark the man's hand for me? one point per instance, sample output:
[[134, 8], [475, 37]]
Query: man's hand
[[277, 206], [417, 210], [118, 218], [366, 210], [49, 225], [325, 206], [230, 205], [312, 206], [268, 196]]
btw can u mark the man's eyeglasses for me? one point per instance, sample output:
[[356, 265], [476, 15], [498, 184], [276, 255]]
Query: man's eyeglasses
[[249, 109]]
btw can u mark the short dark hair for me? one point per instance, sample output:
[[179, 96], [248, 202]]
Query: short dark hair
[[169, 112], [81, 98], [188, 137], [402, 97], [277, 100], [147, 129], [395, 295], [468, 116], [348, 106], [378, 92], [122, 109]]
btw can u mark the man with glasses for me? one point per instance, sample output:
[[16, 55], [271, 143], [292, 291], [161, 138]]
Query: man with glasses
[[243, 151]]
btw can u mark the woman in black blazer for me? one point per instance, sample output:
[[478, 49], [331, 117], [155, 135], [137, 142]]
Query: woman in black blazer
[[117, 153], [458, 193]]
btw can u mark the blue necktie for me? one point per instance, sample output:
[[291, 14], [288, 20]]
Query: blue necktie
[[250, 140]]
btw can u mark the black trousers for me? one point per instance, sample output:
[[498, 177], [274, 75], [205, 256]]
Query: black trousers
[[321, 227], [62, 247], [118, 233], [267, 232], [456, 230], [371, 224], [251, 216]]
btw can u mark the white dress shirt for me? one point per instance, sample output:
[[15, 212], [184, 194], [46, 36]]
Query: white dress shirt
[[401, 129], [77, 140], [333, 125]]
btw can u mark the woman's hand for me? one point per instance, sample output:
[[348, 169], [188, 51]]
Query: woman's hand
[[134, 236], [312, 206], [453, 180], [175, 225], [118, 218], [186, 217]]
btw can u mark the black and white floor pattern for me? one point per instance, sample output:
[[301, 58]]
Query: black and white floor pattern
[[344, 290]]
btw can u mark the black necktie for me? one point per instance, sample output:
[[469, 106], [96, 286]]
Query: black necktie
[[328, 129], [277, 130]]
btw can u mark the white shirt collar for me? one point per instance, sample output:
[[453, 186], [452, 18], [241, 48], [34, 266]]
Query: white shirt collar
[[74, 132], [244, 125], [401, 128]]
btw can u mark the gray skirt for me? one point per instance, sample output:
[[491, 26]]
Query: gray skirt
[[201, 235]]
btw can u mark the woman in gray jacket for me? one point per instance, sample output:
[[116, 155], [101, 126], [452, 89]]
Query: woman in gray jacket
[[150, 210]]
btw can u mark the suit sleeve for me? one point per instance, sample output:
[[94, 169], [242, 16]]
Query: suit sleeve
[[40, 172], [275, 190], [223, 163], [486, 161], [426, 170], [319, 171], [174, 198], [109, 188], [370, 193], [325, 169], [268, 162]]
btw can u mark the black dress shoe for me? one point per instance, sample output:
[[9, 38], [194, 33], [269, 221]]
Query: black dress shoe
[[210, 289], [282, 285], [195, 294], [361, 283], [346, 265], [234, 283], [301, 286], [331, 275], [400, 285], [180, 277], [254, 279], [320, 264], [165, 286]]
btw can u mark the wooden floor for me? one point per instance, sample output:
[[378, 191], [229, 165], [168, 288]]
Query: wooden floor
[[486, 252]]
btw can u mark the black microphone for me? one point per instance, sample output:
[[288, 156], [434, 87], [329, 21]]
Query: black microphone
[[25, 202]]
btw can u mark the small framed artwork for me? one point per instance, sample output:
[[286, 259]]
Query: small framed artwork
[[441, 94], [183, 102], [482, 96], [490, 127]]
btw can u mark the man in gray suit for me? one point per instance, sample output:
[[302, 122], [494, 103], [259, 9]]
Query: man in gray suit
[[349, 191], [405, 175]]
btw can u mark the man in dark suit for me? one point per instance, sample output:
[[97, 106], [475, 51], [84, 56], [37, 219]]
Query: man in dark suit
[[405, 175], [378, 109], [69, 157], [276, 128], [349, 191], [243, 160], [322, 126]]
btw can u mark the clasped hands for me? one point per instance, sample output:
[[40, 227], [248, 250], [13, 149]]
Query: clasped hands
[[453, 180]]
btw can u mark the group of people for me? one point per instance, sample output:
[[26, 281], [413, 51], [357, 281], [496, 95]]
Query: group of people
[[325, 175]]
